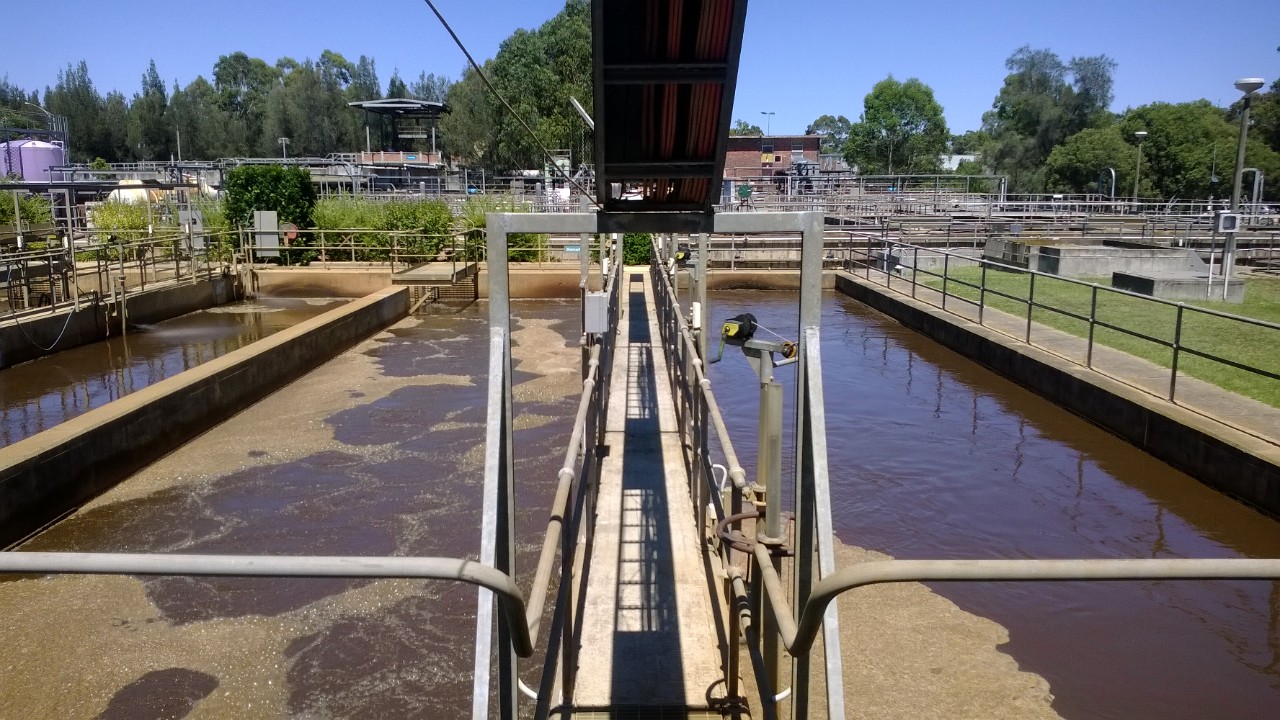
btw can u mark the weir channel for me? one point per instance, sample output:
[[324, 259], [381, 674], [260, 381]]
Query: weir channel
[[41, 393], [379, 452]]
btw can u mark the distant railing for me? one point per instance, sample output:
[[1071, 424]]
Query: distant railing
[[51, 271], [1097, 314]]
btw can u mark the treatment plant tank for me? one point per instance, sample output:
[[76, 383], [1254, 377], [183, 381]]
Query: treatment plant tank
[[30, 160]]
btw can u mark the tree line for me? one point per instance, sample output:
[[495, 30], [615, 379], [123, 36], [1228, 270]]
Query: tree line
[[241, 110], [1050, 129], [246, 104]]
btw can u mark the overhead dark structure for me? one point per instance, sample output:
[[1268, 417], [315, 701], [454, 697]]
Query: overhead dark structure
[[665, 74]]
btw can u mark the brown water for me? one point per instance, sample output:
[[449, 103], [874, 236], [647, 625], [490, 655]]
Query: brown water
[[40, 394], [932, 456], [378, 452]]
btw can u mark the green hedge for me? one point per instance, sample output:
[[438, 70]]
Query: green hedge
[[430, 222], [521, 247], [35, 209], [637, 248], [288, 191]]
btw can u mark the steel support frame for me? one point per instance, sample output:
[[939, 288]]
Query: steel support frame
[[498, 522], [814, 537]]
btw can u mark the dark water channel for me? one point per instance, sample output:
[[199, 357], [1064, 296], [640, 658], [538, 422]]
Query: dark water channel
[[932, 456], [37, 395]]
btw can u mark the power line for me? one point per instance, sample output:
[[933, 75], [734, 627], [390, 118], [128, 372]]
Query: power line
[[545, 152]]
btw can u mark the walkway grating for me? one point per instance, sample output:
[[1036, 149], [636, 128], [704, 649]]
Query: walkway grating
[[650, 648]]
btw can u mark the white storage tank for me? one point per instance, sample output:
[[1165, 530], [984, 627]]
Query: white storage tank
[[30, 160]]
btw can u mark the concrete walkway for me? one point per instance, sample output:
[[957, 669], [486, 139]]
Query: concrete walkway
[[649, 636], [1241, 413]]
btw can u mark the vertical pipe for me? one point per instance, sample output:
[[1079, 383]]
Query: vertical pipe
[[497, 541]]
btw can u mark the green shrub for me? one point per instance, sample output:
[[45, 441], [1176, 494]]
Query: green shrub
[[637, 248], [521, 247], [424, 226], [288, 191], [125, 220], [36, 209]]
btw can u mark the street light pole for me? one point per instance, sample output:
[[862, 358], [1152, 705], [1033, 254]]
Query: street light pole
[[284, 147], [1137, 173], [1247, 86], [768, 123]]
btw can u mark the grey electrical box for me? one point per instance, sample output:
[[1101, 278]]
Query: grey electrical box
[[193, 219], [1226, 222], [266, 233], [595, 315]]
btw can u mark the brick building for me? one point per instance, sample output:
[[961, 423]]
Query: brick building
[[756, 156]]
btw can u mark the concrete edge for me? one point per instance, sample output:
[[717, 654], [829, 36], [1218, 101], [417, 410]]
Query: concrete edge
[[89, 324], [48, 474], [1227, 459]]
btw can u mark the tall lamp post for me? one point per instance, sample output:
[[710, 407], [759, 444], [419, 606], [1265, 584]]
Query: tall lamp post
[[1137, 172], [1248, 86], [768, 122], [284, 147]]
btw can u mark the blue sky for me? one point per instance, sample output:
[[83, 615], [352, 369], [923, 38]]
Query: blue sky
[[800, 59]]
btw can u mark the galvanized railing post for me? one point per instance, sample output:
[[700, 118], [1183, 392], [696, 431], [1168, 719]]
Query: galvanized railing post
[[982, 291], [1093, 319], [1177, 346], [1031, 303], [497, 540], [946, 272], [915, 265]]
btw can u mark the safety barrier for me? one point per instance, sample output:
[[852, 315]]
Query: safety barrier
[[1078, 307]]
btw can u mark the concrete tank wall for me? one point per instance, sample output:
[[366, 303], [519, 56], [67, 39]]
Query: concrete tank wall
[[26, 339], [53, 472], [1220, 456]]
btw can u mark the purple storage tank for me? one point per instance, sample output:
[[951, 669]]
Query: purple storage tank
[[30, 160]]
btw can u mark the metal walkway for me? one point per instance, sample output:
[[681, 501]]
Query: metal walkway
[[649, 633]]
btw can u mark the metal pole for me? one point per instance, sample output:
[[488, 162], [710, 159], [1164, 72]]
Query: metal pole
[[1229, 249], [1137, 172], [1093, 318], [1031, 304], [1177, 345]]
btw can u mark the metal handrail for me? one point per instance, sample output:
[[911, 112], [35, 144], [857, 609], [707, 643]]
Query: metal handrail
[[697, 409], [1177, 345], [425, 568], [565, 518], [799, 636]]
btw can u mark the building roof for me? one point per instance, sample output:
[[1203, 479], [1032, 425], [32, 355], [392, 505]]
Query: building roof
[[403, 107]]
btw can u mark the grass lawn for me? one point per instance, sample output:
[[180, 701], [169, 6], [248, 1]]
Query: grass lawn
[[1232, 340]]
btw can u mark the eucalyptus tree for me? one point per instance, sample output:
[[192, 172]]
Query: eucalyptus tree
[[151, 136], [1043, 102], [834, 130], [901, 130]]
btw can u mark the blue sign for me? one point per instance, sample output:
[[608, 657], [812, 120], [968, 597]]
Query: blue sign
[[411, 157], [572, 248]]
